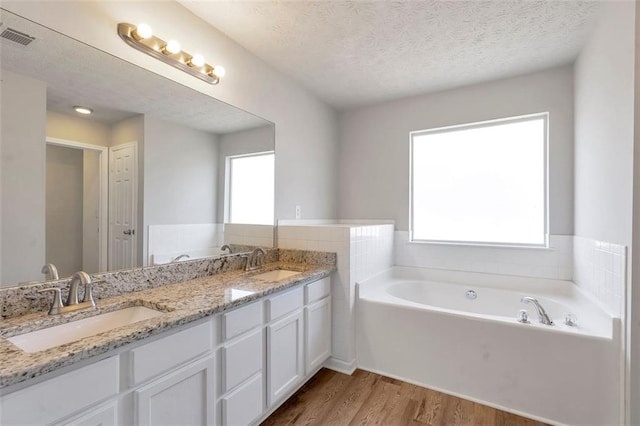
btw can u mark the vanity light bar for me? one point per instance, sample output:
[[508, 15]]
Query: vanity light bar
[[169, 52]]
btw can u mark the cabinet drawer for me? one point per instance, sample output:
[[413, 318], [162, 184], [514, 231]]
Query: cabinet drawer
[[242, 359], [317, 290], [49, 401], [162, 355], [242, 319], [245, 404], [106, 415], [284, 303]]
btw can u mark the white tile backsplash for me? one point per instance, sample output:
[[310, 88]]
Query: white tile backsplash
[[600, 268], [252, 235], [172, 240], [552, 262]]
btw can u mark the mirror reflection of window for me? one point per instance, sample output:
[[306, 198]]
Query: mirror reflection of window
[[251, 188]]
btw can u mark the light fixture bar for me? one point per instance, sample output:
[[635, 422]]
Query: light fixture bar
[[156, 47]]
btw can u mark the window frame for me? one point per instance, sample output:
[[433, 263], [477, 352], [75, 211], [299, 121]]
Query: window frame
[[475, 125]]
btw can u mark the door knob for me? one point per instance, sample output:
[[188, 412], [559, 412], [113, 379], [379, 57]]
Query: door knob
[[129, 232]]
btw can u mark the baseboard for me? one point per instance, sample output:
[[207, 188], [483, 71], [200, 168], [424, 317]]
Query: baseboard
[[341, 366]]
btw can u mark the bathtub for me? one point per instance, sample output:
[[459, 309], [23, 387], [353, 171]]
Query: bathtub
[[426, 327]]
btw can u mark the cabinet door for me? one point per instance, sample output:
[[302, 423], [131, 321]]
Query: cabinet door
[[285, 367], [184, 397], [317, 334]]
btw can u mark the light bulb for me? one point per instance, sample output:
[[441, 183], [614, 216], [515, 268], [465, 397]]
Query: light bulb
[[218, 71], [143, 31], [172, 47], [197, 60], [83, 110]]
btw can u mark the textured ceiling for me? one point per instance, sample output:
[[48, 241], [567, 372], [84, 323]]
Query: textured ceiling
[[77, 74], [352, 53]]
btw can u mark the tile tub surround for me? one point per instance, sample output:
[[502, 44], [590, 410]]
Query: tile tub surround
[[24, 299], [600, 268], [181, 303]]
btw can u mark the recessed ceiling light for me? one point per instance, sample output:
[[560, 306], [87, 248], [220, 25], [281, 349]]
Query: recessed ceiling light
[[83, 110]]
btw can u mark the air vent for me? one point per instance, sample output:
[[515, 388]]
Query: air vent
[[17, 36]]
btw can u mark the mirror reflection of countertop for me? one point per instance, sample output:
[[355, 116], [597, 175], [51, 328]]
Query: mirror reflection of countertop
[[180, 304]]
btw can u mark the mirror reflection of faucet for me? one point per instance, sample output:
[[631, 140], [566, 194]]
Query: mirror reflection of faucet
[[178, 258], [254, 260], [50, 272]]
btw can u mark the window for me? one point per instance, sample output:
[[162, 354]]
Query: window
[[481, 183], [251, 188]]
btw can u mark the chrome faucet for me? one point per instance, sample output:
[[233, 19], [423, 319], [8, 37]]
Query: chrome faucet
[[542, 314], [253, 261], [182, 256], [226, 247], [72, 304], [50, 271]]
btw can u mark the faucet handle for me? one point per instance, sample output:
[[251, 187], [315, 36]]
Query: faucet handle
[[56, 305], [523, 316], [88, 292]]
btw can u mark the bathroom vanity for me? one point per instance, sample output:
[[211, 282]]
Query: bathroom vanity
[[227, 349]]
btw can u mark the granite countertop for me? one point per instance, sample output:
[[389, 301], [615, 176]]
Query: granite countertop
[[180, 303]]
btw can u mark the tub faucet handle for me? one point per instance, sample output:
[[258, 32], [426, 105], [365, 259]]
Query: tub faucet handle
[[570, 320], [523, 316]]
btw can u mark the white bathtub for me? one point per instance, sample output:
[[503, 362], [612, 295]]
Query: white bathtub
[[418, 325]]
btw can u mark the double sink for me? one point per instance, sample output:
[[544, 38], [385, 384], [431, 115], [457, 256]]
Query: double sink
[[39, 340]]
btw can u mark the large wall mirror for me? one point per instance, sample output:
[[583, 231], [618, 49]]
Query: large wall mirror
[[157, 172]]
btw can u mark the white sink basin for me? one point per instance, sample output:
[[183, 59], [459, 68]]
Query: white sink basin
[[277, 275], [76, 330]]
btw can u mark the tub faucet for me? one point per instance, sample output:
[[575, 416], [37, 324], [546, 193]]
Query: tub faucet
[[50, 272], [253, 261], [542, 314], [226, 247]]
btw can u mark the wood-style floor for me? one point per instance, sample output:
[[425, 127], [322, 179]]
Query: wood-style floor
[[331, 398]]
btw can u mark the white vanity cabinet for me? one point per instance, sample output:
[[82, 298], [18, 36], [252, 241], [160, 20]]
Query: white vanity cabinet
[[317, 324], [171, 380], [234, 368], [242, 364], [53, 400]]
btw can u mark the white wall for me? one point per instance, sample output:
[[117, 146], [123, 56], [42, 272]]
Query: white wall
[[181, 172], [23, 114], [64, 209], [306, 139], [91, 211], [374, 141], [604, 128], [62, 126], [633, 296], [260, 139]]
